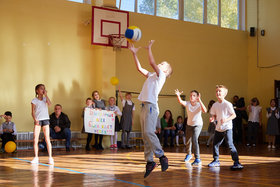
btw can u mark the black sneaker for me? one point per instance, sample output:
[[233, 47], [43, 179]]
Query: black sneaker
[[100, 147], [236, 166], [150, 166], [87, 148], [164, 163]]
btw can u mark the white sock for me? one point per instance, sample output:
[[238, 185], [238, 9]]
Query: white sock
[[116, 137], [177, 139]]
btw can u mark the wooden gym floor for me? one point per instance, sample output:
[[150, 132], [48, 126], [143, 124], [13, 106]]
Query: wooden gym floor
[[126, 168]]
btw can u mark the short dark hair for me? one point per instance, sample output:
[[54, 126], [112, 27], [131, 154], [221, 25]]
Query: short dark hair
[[179, 117], [8, 113], [88, 99], [195, 91], [58, 105]]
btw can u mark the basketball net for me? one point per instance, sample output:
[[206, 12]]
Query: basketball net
[[116, 41]]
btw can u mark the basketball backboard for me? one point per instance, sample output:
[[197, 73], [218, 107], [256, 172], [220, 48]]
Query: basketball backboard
[[108, 21]]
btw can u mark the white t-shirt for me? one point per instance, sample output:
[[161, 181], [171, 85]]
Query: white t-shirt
[[152, 87], [129, 102], [222, 111], [194, 114], [114, 109], [254, 115], [41, 109]]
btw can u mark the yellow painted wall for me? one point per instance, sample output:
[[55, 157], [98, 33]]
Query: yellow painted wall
[[201, 56], [261, 80], [48, 42]]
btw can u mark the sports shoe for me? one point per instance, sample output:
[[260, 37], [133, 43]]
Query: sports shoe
[[254, 145], [248, 145], [236, 166], [35, 160], [115, 146], [87, 148], [273, 147], [164, 163], [269, 146], [214, 163], [51, 161], [67, 149], [196, 162], [188, 158], [112, 146], [177, 145], [150, 166]]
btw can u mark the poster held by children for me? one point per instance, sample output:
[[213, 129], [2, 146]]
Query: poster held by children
[[99, 121]]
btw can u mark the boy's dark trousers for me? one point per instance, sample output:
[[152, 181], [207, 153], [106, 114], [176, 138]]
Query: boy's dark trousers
[[6, 137], [218, 140]]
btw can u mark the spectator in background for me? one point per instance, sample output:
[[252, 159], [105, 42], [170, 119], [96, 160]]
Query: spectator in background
[[180, 130], [60, 126], [240, 111], [167, 125], [7, 130], [272, 114]]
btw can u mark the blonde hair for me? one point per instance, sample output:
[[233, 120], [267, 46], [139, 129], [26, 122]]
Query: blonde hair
[[169, 69], [223, 87]]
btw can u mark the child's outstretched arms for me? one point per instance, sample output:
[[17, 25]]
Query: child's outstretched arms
[[178, 93], [137, 63], [151, 57]]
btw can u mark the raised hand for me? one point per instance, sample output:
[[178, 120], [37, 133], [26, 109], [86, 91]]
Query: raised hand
[[133, 49], [198, 97], [178, 93], [45, 92], [150, 44]]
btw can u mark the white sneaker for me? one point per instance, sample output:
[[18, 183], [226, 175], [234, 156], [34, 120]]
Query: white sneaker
[[35, 160], [269, 146], [273, 147], [51, 161]]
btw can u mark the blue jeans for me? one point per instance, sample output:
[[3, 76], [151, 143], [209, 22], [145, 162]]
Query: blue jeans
[[168, 133], [65, 134], [218, 140]]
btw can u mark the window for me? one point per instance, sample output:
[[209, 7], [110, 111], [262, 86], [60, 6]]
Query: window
[[118, 4], [224, 13], [78, 1], [167, 8], [212, 12], [128, 5], [146, 7], [229, 14], [193, 11]]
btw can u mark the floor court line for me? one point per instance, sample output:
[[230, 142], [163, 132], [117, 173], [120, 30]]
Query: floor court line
[[83, 173]]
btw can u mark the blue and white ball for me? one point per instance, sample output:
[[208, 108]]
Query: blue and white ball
[[133, 34]]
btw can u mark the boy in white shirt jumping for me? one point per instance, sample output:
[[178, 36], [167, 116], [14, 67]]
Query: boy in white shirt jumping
[[149, 112], [222, 111]]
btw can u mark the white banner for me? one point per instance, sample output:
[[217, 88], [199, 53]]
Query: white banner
[[99, 121]]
